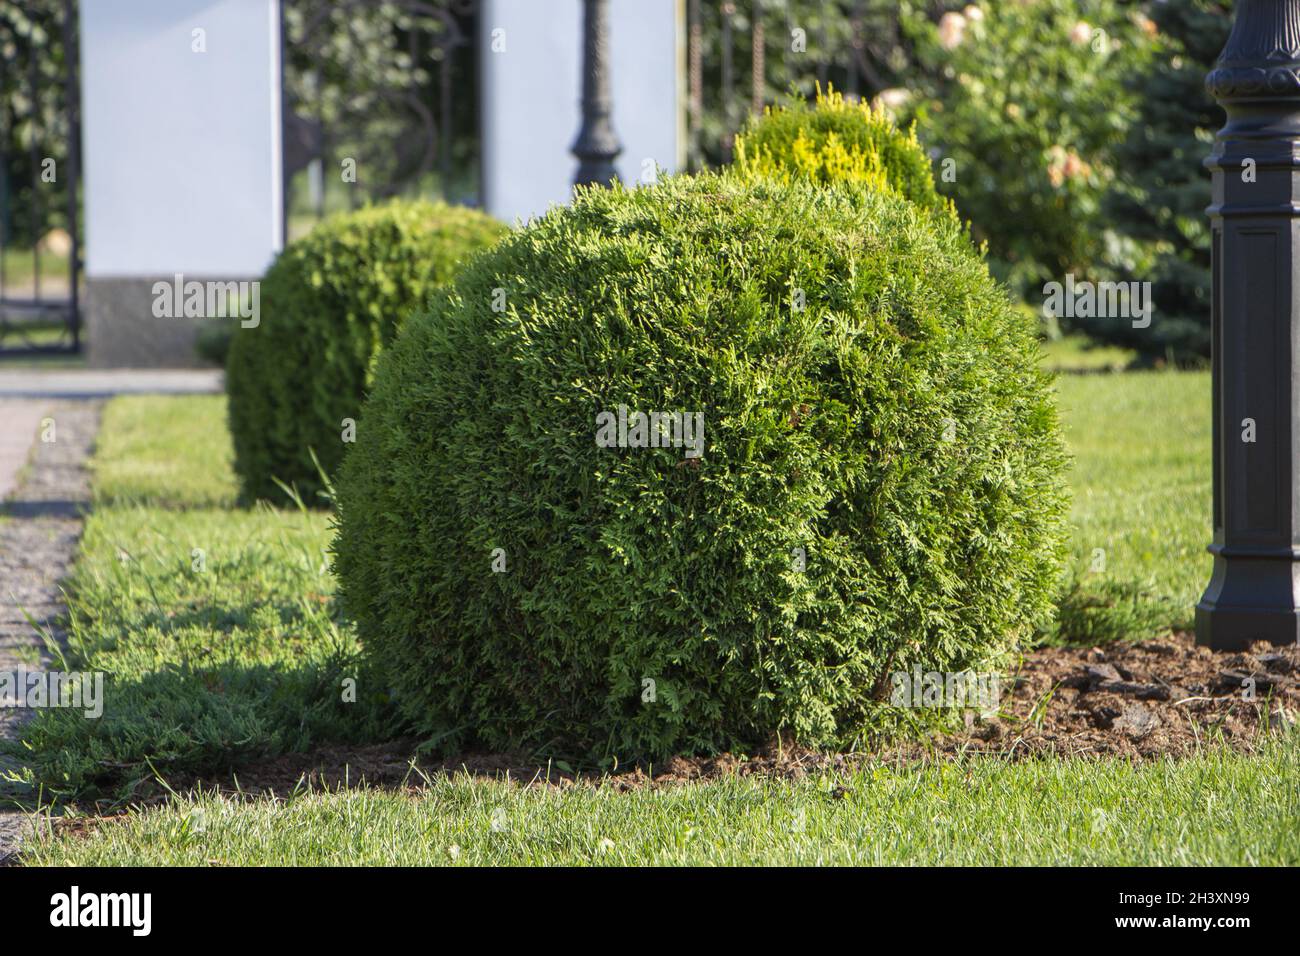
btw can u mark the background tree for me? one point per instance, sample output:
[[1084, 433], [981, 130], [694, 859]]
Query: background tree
[[1022, 105], [1161, 197], [33, 120]]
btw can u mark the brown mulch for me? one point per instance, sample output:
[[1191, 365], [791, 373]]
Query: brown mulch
[[1159, 697], [1127, 701]]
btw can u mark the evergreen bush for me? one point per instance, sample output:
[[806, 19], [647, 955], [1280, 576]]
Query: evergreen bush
[[836, 140], [329, 304], [874, 481]]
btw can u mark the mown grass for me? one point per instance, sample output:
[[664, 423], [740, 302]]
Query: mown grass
[[213, 624], [1218, 808], [164, 453], [216, 636], [215, 627], [20, 273], [1141, 483], [1077, 354]]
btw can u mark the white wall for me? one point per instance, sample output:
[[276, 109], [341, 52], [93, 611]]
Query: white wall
[[531, 94], [181, 149]]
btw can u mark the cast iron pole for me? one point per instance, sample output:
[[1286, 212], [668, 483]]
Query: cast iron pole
[[597, 144], [1254, 594]]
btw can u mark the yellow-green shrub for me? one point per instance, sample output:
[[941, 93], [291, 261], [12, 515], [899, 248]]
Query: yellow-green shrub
[[838, 140]]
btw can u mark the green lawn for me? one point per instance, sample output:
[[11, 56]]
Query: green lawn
[[1075, 354], [1219, 808], [216, 627], [1141, 482], [20, 273], [165, 453], [212, 622]]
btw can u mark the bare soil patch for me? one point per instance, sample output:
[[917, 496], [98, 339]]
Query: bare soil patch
[[1148, 699], [1135, 701]]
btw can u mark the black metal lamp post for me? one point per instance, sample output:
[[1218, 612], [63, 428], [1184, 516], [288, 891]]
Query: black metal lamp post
[[597, 143], [1254, 593]]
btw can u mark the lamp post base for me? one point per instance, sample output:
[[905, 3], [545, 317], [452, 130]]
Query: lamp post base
[[1250, 600], [1237, 628], [1254, 594]]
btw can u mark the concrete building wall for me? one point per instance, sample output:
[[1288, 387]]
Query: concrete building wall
[[181, 159], [182, 152]]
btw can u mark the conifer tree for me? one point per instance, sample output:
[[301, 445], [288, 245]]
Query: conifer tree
[[1160, 203]]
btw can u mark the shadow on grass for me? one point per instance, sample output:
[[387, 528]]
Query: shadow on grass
[[33, 510], [189, 719], [1097, 612]]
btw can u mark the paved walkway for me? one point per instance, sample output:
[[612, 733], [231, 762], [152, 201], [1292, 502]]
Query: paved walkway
[[45, 490], [19, 421], [39, 529], [101, 383]]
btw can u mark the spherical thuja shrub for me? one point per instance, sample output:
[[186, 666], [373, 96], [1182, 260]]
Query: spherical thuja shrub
[[850, 465], [330, 302], [838, 140]]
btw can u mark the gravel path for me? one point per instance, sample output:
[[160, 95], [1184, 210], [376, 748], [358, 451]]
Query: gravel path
[[39, 529]]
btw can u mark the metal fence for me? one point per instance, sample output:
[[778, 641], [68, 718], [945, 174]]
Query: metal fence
[[40, 255], [379, 101], [745, 54], [397, 81]]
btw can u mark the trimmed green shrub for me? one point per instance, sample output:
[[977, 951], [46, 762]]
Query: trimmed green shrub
[[212, 344], [879, 484], [330, 302], [836, 140]]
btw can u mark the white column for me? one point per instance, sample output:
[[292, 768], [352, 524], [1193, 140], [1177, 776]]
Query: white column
[[182, 159], [531, 56]]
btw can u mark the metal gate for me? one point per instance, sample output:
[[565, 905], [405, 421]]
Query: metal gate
[[379, 100], [40, 248]]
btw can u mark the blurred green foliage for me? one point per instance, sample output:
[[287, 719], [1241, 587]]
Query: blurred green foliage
[[1161, 196], [34, 118], [1022, 105]]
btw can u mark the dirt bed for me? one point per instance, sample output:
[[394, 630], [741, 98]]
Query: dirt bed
[[1164, 696], [1159, 697]]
